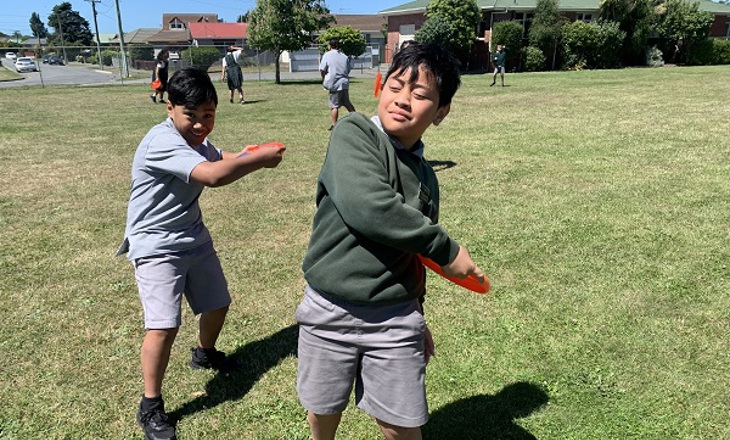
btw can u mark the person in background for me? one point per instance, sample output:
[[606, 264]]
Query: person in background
[[232, 73], [161, 72], [335, 70], [499, 58]]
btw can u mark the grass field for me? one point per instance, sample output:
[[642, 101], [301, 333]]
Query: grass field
[[598, 203]]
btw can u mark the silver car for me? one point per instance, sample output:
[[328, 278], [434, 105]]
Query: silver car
[[25, 64]]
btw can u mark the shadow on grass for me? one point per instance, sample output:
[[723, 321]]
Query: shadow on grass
[[486, 417], [255, 359], [292, 82], [440, 165]]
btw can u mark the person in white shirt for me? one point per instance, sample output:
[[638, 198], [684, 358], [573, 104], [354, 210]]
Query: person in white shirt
[[335, 68]]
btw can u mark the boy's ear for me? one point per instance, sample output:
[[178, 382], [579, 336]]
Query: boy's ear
[[169, 108], [441, 114]]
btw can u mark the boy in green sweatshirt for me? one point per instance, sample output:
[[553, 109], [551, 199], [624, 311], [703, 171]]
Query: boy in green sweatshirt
[[361, 320]]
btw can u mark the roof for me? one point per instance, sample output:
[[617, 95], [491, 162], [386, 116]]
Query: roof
[[168, 18], [218, 30], [137, 36], [361, 22], [170, 37], [32, 42], [419, 6], [106, 38]]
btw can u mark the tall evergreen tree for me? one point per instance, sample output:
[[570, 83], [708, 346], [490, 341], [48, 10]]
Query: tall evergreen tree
[[71, 24], [546, 27], [37, 27]]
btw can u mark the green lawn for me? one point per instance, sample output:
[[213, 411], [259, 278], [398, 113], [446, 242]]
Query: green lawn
[[596, 201]]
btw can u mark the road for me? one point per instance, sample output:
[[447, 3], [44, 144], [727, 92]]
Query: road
[[57, 75]]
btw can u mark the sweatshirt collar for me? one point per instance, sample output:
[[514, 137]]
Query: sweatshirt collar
[[417, 148]]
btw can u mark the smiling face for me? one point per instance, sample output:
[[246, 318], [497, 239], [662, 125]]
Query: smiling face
[[194, 124], [407, 109]]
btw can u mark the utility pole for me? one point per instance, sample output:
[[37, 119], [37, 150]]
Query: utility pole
[[125, 68], [96, 28], [63, 45]]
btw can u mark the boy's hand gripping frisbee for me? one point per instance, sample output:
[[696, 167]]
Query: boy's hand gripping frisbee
[[251, 148], [471, 282]]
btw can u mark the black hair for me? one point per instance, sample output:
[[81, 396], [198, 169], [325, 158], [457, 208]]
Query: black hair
[[191, 87], [436, 61], [334, 43], [161, 54]]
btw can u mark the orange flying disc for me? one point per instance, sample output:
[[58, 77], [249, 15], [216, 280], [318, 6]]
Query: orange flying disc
[[378, 84], [156, 84], [471, 282], [252, 148]]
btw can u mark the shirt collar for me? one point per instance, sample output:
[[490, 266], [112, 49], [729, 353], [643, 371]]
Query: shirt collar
[[417, 148]]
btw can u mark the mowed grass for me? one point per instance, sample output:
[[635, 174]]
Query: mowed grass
[[596, 201]]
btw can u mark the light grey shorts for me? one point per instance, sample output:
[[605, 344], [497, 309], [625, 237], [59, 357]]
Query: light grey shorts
[[379, 349], [163, 279], [339, 98], [499, 69]]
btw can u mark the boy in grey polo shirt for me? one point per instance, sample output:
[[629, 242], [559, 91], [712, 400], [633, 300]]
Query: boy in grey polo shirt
[[166, 240]]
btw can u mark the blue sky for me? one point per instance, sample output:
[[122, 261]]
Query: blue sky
[[148, 13]]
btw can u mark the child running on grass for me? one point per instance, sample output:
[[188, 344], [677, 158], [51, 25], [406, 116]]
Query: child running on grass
[[167, 242], [361, 320]]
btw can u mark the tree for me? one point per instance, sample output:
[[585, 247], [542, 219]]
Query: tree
[[243, 18], [546, 27], [507, 33], [37, 27], [279, 25], [437, 30], [592, 45], [682, 23], [352, 43], [462, 15], [71, 24], [636, 18]]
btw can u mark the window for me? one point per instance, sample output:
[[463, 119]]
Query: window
[[585, 18], [177, 24], [727, 28], [525, 20]]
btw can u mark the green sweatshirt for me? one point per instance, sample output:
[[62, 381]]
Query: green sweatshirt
[[377, 207]]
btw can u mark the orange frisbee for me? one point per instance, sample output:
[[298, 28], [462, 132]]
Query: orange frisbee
[[378, 84], [253, 148], [471, 282]]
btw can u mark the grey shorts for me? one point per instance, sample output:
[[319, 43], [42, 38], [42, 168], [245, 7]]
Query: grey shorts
[[339, 98], [163, 279], [379, 349], [499, 69]]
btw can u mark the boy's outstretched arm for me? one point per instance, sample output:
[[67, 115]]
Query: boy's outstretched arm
[[462, 266], [232, 167]]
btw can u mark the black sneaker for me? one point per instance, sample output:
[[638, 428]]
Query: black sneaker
[[211, 359], [153, 98], [155, 425]]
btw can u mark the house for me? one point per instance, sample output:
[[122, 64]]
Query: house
[[371, 27], [406, 19], [218, 34], [137, 36], [175, 31]]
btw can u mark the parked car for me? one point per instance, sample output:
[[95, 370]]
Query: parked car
[[53, 59], [10, 56], [25, 64]]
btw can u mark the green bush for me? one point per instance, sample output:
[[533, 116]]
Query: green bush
[[201, 57], [707, 52], [142, 52], [437, 30], [509, 34], [593, 45], [352, 43], [107, 56], [534, 59]]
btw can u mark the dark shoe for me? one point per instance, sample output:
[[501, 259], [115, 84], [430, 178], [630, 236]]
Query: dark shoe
[[162, 101], [153, 98], [493, 84], [155, 425], [331, 127], [231, 100], [211, 359]]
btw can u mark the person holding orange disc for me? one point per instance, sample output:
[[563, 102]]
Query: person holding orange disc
[[361, 322]]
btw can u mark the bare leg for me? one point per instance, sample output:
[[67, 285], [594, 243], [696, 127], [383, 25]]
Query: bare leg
[[323, 426], [210, 325], [154, 355], [240, 94], [392, 432], [335, 112]]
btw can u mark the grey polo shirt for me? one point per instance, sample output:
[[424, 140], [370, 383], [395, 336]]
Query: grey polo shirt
[[163, 215], [336, 66]]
